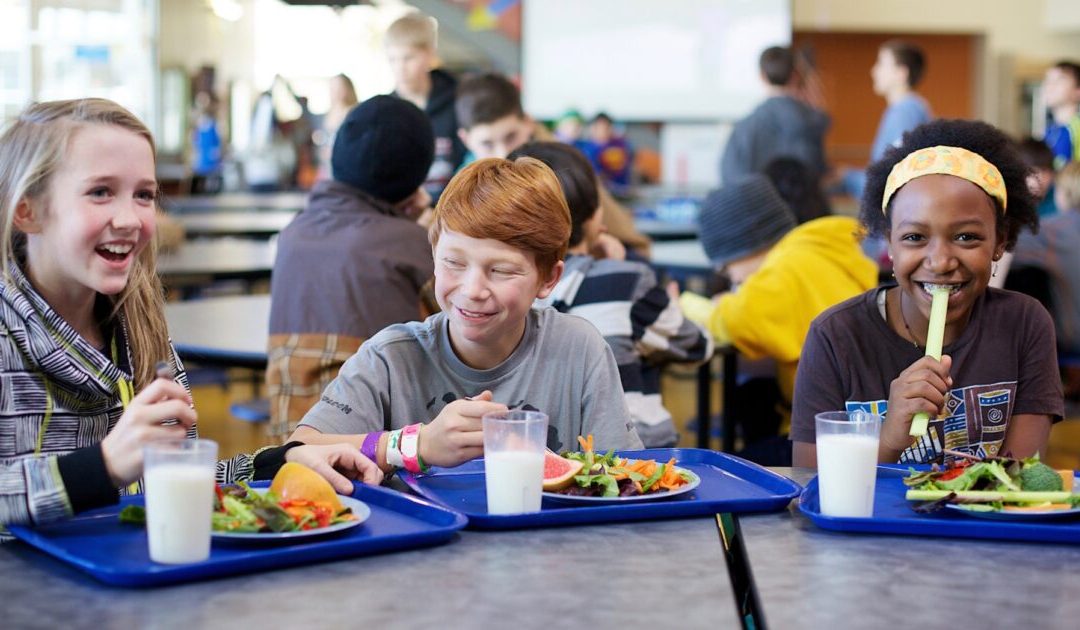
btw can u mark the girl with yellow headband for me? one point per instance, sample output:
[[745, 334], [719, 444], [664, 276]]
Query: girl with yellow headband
[[950, 201], [82, 323]]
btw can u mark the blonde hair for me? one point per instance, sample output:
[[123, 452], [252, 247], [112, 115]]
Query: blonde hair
[[1068, 182], [32, 149], [415, 30], [517, 202]]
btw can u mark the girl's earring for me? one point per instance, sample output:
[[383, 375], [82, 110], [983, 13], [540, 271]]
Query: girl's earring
[[993, 272]]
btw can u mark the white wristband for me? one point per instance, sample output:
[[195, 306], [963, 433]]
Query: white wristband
[[393, 450]]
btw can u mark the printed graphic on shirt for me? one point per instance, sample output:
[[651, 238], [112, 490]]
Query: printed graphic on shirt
[[974, 422]]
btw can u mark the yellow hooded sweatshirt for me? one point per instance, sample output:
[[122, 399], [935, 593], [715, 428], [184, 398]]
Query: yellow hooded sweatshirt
[[813, 267]]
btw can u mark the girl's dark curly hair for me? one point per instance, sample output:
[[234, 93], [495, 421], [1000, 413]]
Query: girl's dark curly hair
[[978, 137]]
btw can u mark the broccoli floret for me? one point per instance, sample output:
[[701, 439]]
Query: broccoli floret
[[1038, 477]]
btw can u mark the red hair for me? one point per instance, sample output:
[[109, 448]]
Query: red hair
[[517, 202]]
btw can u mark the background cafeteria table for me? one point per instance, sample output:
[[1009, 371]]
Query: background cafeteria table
[[659, 574], [293, 201], [235, 223], [229, 331], [198, 263]]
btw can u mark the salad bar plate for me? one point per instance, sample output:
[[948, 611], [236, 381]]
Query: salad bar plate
[[116, 553], [893, 514], [694, 482], [359, 509], [726, 484]]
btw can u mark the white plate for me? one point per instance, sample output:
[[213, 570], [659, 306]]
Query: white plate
[[1015, 516], [359, 509], [694, 482]]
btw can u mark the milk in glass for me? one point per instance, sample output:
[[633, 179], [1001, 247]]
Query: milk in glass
[[179, 502], [847, 472], [514, 480]]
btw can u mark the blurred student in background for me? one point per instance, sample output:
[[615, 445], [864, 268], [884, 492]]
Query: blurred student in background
[[622, 299], [1040, 159], [783, 277], [342, 99], [411, 44], [493, 123], [899, 67], [1061, 92], [206, 149], [354, 261], [798, 188], [610, 154], [782, 125], [1056, 250], [569, 129]]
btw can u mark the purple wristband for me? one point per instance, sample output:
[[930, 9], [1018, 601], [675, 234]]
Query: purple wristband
[[371, 445]]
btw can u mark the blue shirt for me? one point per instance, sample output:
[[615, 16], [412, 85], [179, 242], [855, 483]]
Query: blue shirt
[[902, 116]]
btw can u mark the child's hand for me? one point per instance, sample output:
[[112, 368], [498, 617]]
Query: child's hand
[[338, 464], [607, 246], [921, 387], [162, 400], [456, 435]]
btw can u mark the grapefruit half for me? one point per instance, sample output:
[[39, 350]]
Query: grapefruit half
[[559, 472]]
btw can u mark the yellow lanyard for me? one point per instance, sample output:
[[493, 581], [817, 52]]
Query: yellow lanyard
[[125, 388]]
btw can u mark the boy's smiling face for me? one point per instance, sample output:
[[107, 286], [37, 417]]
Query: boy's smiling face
[[943, 231], [486, 288]]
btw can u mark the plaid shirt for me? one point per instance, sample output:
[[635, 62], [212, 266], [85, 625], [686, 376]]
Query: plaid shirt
[[299, 369]]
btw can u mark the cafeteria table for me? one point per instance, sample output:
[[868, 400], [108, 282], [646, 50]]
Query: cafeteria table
[[660, 574], [660, 230], [292, 201], [228, 331], [200, 262], [686, 256], [235, 223], [805, 577]]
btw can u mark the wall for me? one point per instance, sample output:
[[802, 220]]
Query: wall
[[192, 36], [1015, 35], [843, 60]]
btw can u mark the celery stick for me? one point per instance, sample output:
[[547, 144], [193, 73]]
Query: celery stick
[[935, 334], [987, 496]]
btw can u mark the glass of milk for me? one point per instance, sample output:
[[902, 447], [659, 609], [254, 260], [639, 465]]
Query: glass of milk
[[514, 445], [847, 453], [179, 479]]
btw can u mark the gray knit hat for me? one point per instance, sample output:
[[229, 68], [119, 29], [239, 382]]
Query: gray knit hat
[[743, 217]]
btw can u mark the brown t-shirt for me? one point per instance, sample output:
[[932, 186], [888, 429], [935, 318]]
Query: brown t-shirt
[[1004, 363]]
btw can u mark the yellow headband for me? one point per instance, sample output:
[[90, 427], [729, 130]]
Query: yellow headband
[[941, 160]]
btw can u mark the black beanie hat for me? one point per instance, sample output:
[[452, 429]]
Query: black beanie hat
[[743, 217], [384, 147]]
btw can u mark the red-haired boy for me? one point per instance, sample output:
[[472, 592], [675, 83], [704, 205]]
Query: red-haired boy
[[499, 235]]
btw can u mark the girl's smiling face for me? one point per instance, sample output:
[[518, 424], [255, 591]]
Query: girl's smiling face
[[96, 217], [943, 230]]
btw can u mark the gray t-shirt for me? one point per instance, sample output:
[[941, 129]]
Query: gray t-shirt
[[408, 372]]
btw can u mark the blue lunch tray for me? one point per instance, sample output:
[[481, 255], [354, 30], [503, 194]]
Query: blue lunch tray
[[728, 484], [893, 514], [116, 553]]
